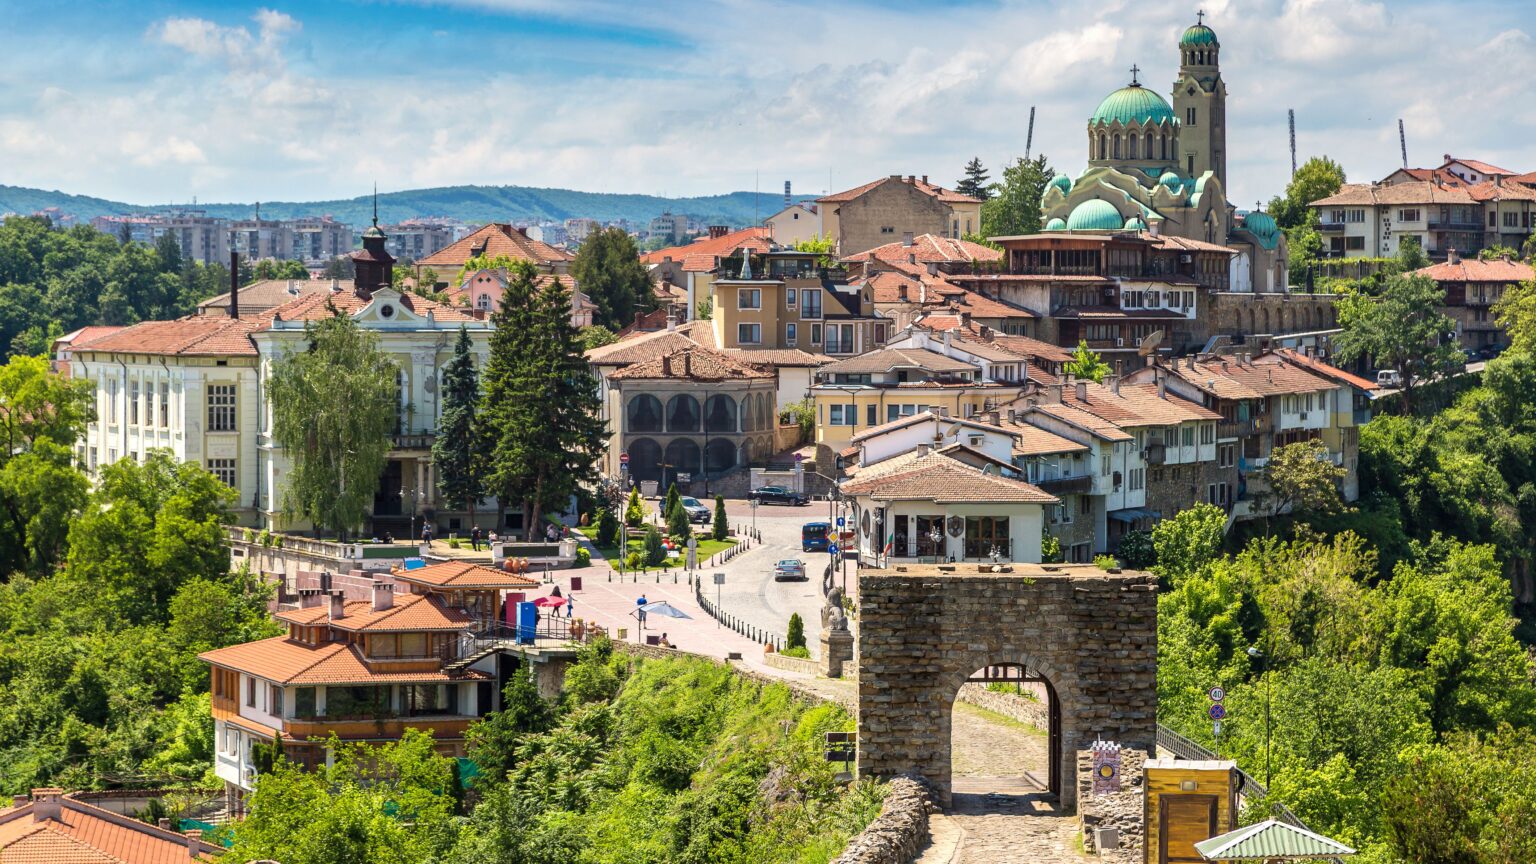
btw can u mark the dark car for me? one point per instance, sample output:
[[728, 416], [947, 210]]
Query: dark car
[[697, 512], [775, 495]]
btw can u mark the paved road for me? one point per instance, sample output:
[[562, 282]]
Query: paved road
[[1471, 369]]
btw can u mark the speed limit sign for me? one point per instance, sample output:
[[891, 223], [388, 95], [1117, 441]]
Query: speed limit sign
[[1217, 694]]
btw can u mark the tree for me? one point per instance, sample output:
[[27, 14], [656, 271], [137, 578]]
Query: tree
[[720, 529], [975, 182], [1086, 364], [1494, 253], [1402, 329], [597, 336], [459, 466], [492, 743], [1465, 800], [41, 417], [634, 509], [1188, 541], [677, 522], [824, 247], [794, 634], [608, 269], [705, 310], [671, 501], [1014, 207], [333, 409], [1317, 178], [1303, 479], [1410, 254], [655, 552], [607, 528]]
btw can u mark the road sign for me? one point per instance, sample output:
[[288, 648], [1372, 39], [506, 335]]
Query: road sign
[[1217, 711], [719, 578], [684, 477], [1216, 729], [840, 521], [799, 457], [1217, 694], [832, 550], [753, 502], [623, 458]]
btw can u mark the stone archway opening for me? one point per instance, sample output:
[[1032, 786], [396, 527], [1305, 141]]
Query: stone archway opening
[[1005, 734]]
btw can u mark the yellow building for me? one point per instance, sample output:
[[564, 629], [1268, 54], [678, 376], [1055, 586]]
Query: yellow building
[[895, 207], [866, 391], [787, 299]]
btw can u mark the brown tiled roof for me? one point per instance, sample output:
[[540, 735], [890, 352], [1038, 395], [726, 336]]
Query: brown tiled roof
[[1423, 174], [1262, 377], [1034, 441], [1085, 420], [694, 363], [992, 278], [1115, 313], [775, 356], [317, 306], [494, 240], [927, 249], [1137, 405], [1313, 364], [196, 336], [1475, 270], [982, 306], [285, 661], [887, 359], [265, 294], [1032, 348], [76, 338], [925, 417], [948, 196], [1415, 192], [408, 613], [648, 345], [1482, 167], [1184, 244], [1490, 191], [886, 287], [86, 834], [463, 574], [758, 239], [944, 480]]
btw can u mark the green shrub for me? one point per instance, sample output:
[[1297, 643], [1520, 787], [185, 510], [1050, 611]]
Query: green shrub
[[677, 522], [583, 557], [1136, 549], [607, 528], [1050, 550], [454, 543], [721, 529], [633, 561], [797, 651], [794, 636], [655, 553], [1106, 562], [634, 510]]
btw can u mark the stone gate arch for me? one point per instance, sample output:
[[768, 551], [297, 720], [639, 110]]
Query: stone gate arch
[[924, 630]]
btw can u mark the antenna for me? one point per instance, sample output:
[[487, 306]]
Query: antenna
[[1402, 141], [1029, 140], [1292, 113]]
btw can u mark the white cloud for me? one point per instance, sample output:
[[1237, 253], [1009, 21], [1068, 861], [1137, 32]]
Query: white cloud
[[1062, 57]]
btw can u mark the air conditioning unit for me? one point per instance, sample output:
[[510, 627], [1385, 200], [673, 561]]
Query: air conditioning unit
[[1185, 259], [1119, 342], [1303, 416]]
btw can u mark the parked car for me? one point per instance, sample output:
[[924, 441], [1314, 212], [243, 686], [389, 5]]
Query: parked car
[[1389, 378], [697, 512], [775, 495], [789, 570]]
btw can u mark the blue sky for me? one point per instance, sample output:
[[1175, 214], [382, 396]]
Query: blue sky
[[156, 101]]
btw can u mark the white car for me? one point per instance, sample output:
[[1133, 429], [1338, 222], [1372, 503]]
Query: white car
[[1389, 378], [789, 570]]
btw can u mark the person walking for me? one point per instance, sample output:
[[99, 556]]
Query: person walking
[[474, 538], [569, 602], [426, 535]]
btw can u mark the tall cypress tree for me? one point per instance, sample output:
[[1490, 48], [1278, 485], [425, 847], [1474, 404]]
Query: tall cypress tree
[[976, 182], [454, 452], [502, 410]]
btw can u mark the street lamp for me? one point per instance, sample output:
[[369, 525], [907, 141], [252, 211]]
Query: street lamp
[[1268, 685]]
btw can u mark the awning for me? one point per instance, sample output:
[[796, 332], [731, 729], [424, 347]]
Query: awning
[[1131, 514], [1270, 841]]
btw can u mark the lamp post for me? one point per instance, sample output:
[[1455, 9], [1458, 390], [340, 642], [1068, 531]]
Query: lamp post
[[1268, 686]]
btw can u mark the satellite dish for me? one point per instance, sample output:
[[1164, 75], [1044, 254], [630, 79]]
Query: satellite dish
[[1150, 343]]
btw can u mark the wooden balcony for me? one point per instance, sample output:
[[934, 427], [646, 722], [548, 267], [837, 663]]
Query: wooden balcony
[[441, 725]]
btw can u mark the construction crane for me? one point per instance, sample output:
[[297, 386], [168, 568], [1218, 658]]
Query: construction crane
[[1402, 141], [1292, 113], [1029, 140]]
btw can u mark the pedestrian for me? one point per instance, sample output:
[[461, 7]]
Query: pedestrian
[[664, 642], [569, 602], [549, 533], [474, 538], [555, 592], [426, 535]]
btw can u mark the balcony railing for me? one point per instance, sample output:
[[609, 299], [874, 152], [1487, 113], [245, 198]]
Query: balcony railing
[[1452, 225], [412, 441], [1080, 484], [1236, 428], [1330, 226], [838, 347]]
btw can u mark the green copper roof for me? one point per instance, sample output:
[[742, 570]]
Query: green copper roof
[[1095, 215], [1135, 224], [1056, 224], [1262, 226], [1132, 104], [1197, 36], [1062, 182], [1268, 840]]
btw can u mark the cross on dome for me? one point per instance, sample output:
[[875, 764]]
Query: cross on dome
[[1200, 17], [1134, 71]]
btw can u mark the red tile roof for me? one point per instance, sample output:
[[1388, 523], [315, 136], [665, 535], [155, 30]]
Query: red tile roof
[[1034, 441], [886, 359], [1136, 405], [948, 196], [317, 306], [284, 661], [463, 574], [494, 240], [927, 249], [694, 363], [1482, 167], [86, 834], [1312, 364], [758, 239], [1261, 377], [942, 480], [196, 336], [1476, 270], [408, 613]]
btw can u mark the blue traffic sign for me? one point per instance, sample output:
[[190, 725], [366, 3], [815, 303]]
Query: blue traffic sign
[[1217, 711], [840, 521], [832, 550]]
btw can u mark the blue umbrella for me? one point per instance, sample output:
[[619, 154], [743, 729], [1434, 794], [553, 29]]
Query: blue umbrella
[[663, 608]]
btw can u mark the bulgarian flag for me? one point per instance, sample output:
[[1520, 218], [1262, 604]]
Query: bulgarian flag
[[890, 544]]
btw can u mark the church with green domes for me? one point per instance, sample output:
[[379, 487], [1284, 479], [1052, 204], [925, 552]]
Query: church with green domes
[[1162, 168]]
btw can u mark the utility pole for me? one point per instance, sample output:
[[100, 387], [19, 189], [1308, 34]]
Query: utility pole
[[1292, 114], [1402, 141], [1029, 140]]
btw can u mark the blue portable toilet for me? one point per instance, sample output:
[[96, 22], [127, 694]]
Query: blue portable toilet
[[527, 623]]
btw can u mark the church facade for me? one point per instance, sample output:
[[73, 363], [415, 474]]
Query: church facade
[[1161, 168]]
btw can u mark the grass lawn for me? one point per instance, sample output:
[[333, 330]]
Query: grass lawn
[[706, 547]]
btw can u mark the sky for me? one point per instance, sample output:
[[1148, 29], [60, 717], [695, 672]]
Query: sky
[[152, 101]]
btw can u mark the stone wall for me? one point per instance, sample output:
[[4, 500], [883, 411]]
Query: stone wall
[[1091, 635], [1034, 711], [1242, 314], [886, 214], [1122, 810], [901, 829], [803, 665], [1174, 488]]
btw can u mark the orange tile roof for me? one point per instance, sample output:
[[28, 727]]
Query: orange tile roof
[[886, 359], [1032, 347], [1428, 174], [195, 336], [494, 240], [1085, 420], [1034, 441], [1476, 270], [948, 196], [1414, 192], [463, 574], [758, 239], [645, 345], [1313, 364], [927, 249], [1261, 377], [942, 480], [86, 834], [694, 363], [316, 306], [1137, 405], [79, 337], [886, 286], [776, 356], [284, 661], [408, 612], [264, 294], [1490, 191], [1475, 165]]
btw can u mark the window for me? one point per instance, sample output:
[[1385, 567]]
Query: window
[[93, 458], [133, 403], [1187, 436], [1191, 161], [1138, 478], [1189, 118], [1408, 215], [871, 415], [810, 304], [1207, 433], [112, 400], [1354, 243], [790, 334], [276, 707], [842, 415], [789, 298], [165, 405], [887, 229], [749, 334], [896, 412], [221, 408], [483, 302], [1511, 220], [1104, 468], [749, 298], [224, 469], [839, 338], [304, 702], [250, 692], [1226, 455]]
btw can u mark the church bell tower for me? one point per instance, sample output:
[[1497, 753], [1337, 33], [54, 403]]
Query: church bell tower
[[1200, 104]]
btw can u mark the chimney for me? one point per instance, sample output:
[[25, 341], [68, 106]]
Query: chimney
[[1114, 380], [309, 598], [943, 412], [1053, 394], [1446, 159], [911, 256], [671, 323], [234, 284], [911, 178], [338, 605], [1452, 256], [924, 449], [194, 843], [933, 268], [1498, 181], [718, 231], [948, 340], [523, 230], [925, 179], [1082, 391], [19, 800], [1155, 227], [906, 240], [666, 365], [986, 333], [47, 803], [163, 824], [1162, 382], [1013, 415], [965, 320], [992, 416], [383, 595]]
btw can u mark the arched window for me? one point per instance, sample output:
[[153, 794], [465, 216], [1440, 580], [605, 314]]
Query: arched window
[[749, 414], [644, 459], [1132, 148], [1162, 146], [746, 452], [643, 414], [1117, 146], [765, 411], [483, 302], [1148, 148], [720, 415], [683, 414], [1103, 146], [1265, 319], [682, 455], [400, 401], [719, 455]]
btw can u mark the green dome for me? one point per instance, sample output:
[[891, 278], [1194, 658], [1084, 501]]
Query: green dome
[[1062, 182], [1170, 180], [1132, 104], [1197, 36], [1056, 225], [1262, 226], [1135, 224], [1095, 215]]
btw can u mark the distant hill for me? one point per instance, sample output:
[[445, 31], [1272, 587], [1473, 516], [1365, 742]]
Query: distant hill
[[472, 204]]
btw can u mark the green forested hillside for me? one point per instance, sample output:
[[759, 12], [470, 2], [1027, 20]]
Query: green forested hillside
[[472, 204]]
